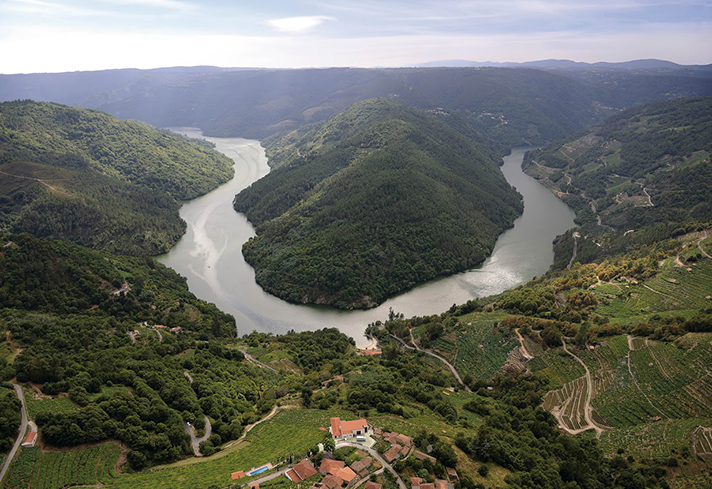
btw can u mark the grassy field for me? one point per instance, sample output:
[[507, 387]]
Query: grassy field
[[83, 466], [290, 432]]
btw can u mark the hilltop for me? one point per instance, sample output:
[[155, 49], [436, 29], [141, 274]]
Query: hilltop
[[88, 177], [372, 202]]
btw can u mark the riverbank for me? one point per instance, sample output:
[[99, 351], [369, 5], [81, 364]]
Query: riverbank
[[210, 255]]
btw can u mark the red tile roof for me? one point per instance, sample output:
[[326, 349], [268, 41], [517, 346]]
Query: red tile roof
[[340, 428], [347, 474], [30, 438], [392, 453], [372, 485], [304, 469], [332, 481], [329, 466], [238, 475], [415, 481]]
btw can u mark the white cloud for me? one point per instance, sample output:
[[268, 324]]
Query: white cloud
[[298, 25], [48, 8], [167, 4]]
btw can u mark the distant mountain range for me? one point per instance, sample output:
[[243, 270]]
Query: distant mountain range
[[638, 64]]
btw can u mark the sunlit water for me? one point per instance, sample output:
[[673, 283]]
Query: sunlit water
[[210, 257]]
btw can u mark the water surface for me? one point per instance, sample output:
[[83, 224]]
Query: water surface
[[210, 256]]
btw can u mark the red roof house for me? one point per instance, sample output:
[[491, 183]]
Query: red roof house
[[342, 429], [301, 471], [329, 466], [372, 485]]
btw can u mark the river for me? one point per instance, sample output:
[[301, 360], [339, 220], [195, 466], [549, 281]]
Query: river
[[209, 254]]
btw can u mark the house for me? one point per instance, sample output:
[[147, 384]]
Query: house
[[415, 481], [342, 429], [30, 439], [329, 466], [300, 471], [392, 453], [361, 466], [403, 440], [346, 474], [452, 473], [332, 482], [372, 485], [238, 475]]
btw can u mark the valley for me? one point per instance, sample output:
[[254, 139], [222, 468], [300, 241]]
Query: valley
[[183, 372]]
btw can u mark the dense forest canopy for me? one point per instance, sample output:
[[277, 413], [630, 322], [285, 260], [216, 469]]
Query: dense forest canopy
[[96, 180], [371, 202]]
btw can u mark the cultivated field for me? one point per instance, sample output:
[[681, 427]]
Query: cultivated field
[[84, 466]]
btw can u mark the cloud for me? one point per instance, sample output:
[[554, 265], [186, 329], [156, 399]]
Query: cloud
[[166, 4], [48, 8], [298, 25]]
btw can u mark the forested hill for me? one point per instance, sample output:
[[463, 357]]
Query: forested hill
[[648, 165], [515, 106], [372, 202], [96, 180]]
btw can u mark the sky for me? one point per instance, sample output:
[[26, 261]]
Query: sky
[[72, 35]]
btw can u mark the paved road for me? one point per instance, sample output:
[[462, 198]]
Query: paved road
[[434, 355], [188, 376], [377, 456], [20, 435], [194, 440]]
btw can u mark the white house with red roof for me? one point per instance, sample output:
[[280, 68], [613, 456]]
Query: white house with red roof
[[343, 429]]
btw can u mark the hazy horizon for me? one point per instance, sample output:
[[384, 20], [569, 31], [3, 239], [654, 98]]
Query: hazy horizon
[[82, 35]]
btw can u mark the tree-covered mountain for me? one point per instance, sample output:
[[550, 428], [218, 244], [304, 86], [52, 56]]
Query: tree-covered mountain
[[96, 180], [372, 202], [516, 106]]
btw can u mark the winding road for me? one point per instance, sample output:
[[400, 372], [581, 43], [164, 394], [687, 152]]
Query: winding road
[[20, 435], [434, 355], [194, 440]]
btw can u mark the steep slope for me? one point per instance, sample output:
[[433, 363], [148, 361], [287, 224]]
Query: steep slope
[[515, 105], [96, 180], [647, 166], [372, 202]]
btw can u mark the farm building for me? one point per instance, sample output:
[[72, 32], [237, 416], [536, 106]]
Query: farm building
[[30, 439], [342, 429]]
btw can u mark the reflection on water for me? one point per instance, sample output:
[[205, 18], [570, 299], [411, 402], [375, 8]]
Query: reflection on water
[[210, 256]]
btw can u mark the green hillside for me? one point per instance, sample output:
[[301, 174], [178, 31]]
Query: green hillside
[[98, 181], [649, 164], [372, 202]]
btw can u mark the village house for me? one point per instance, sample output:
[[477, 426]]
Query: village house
[[392, 453], [332, 482], [301, 471], [343, 429], [372, 485], [361, 466]]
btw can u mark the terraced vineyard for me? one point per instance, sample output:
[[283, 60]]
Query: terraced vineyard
[[480, 348], [559, 367], [702, 439], [674, 291], [54, 470], [568, 403]]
